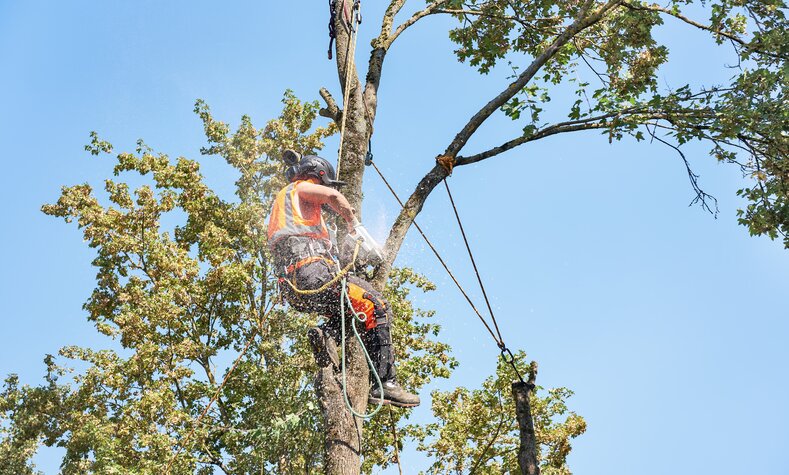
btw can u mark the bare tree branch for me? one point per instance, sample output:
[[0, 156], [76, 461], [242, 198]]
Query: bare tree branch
[[548, 131], [701, 195], [640, 114], [600, 76], [388, 21], [376, 61], [381, 46]]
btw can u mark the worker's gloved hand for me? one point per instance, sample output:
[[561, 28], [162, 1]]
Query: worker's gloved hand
[[369, 250]]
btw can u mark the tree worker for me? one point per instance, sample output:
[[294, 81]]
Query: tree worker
[[306, 255]]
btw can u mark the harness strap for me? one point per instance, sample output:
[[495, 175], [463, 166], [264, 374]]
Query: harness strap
[[340, 276], [309, 260]]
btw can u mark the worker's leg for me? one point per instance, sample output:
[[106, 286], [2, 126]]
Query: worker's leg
[[309, 277], [366, 300], [378, 337], [378, 340]]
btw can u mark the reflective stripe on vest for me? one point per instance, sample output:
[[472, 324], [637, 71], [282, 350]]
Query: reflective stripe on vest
[[287, 220]]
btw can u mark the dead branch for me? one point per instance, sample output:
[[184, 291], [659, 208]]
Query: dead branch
[[331, 111]]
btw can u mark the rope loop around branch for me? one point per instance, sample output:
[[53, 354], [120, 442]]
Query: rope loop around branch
[[509, 358], [447, 162]]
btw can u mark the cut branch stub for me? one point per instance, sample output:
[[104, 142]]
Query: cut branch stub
[[331, 111]]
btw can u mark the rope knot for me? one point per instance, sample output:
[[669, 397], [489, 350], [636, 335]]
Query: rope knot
[[447, 163]]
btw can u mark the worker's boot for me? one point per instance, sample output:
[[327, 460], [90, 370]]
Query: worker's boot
[[379, 344], [393, 394]]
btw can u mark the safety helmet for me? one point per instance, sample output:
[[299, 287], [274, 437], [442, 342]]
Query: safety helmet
[[310, 166]]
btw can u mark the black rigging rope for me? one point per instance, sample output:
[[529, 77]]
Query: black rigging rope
[[506, 354], [440, 259], [473, 262]]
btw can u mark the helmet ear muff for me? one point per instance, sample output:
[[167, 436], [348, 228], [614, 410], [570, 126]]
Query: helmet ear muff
[[290, 174], [291, 157]]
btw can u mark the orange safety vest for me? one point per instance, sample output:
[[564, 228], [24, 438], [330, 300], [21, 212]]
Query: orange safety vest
[[287, 219]]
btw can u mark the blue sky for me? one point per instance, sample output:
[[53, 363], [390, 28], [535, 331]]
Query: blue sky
[[669, 325]]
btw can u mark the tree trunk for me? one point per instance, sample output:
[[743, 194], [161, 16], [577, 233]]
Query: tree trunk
[[527, 453], [344, 434], [356, 132], [343, 430]]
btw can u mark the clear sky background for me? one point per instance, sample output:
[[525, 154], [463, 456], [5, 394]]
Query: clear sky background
[[669, 325]]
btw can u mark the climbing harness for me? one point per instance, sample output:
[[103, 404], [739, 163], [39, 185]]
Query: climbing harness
[[340, 275]]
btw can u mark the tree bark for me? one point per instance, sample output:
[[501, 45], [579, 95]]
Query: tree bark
[[343, 430], [356, 132], [527, 453]]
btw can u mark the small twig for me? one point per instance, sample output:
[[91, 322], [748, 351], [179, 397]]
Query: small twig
[[583, 57], [701, 195], [520, 21], [734, 38]]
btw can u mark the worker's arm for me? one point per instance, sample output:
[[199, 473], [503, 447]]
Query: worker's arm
[[323, 195]]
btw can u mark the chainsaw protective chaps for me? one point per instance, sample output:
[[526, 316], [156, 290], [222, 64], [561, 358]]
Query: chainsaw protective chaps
[[364, 300]]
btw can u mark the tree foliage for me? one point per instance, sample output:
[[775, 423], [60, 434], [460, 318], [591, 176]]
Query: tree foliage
[[181, 300], [608, 53]]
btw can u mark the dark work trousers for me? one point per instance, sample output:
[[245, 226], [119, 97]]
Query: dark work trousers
[[377, 337]]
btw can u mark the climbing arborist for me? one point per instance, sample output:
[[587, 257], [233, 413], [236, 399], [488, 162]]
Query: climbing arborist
[[307, 258]]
